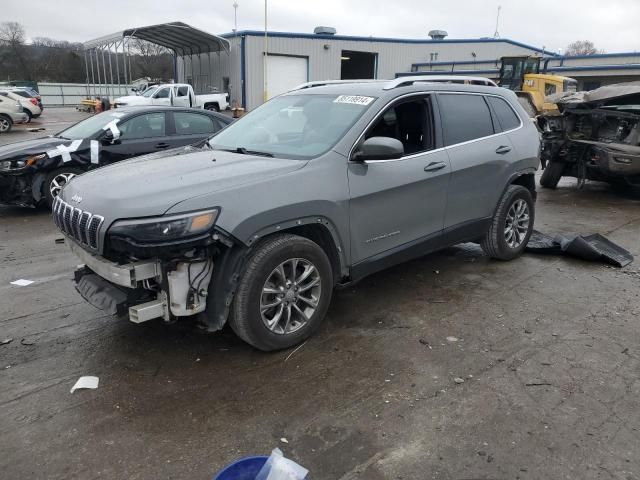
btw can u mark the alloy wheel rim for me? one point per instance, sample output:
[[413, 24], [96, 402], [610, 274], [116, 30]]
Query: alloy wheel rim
[[517, 223], [290, 296], [4, 124], [60, 181]]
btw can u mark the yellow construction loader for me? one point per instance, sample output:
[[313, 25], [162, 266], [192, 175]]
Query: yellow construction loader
[[522, 75]]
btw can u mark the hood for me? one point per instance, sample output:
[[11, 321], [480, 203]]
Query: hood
[[29, 147], [151, 185], [130, 99], [618, 94]]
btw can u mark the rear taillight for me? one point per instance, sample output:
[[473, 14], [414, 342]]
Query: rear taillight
[[34, 101]]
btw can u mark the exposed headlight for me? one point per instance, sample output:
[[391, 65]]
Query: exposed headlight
[[162, 229], [9, 165]]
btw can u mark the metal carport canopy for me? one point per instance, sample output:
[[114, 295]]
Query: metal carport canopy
[[177, 36]]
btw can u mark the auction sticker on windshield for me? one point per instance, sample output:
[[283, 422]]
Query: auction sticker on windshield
[[354, 99]]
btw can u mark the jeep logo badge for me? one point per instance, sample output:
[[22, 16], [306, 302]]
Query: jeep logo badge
[[76, 198]]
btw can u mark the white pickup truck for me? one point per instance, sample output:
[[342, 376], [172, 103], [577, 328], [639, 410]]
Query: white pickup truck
[[177, 95]]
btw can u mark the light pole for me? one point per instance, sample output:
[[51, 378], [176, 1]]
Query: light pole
[[264, 57]]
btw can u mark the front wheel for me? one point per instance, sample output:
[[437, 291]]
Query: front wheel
[[5, 124], [56, 180], [511, 225], [284, 293]]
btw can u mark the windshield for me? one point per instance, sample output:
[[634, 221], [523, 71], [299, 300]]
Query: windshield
[[90, 126], [149, 92], [293, 126]]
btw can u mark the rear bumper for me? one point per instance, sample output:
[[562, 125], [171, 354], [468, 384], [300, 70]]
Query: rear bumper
[[616, 163]]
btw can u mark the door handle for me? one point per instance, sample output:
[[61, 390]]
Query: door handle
[[434, 166], [162, 145], [502, 149]]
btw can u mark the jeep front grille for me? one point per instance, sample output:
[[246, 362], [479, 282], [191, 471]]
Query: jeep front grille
[[82, 226]]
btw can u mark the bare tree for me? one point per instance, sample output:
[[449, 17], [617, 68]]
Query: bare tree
[[12, 36], [582, 47], [150, 59]]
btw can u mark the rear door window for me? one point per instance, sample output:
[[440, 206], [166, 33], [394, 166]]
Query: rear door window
[[507, 118], [464, 117], [188, 123]]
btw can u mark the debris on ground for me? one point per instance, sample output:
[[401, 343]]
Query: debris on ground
[[284, 440], [458, 380], [277, 467], [22, 282], [26, 342], [86, 382], [593, 248], [6, 341], [452, 339]]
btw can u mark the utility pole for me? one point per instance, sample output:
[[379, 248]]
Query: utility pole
[[264, 59], [496, 34]]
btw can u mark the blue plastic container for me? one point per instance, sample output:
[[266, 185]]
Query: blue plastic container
[[246, 468]]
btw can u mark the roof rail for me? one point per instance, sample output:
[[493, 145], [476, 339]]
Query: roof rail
[[320, 83], [404, 81]]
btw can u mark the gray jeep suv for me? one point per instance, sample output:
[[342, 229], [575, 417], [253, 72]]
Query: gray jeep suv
[[315, 189]]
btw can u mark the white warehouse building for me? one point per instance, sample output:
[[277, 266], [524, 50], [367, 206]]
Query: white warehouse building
[[295, 58]]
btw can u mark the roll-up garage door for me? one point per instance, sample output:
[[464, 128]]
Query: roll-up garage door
[[284, 73]]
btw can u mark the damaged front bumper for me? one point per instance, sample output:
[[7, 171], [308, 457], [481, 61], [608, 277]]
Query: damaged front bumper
[[143, 290]]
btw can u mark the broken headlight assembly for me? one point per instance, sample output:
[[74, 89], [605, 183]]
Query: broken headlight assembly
[[13, 165], [158, 230]]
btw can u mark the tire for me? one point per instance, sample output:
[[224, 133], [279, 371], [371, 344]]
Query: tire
[[5, 124], [552, 174], [250, 319], [497, 242], [50, 191], [212, 106]]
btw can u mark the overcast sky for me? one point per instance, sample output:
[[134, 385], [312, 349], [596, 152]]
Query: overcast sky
[[613, 25]]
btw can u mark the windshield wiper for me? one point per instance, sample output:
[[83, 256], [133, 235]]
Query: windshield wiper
[[244, 151]]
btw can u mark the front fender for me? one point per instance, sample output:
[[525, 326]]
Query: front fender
[[288, 223]]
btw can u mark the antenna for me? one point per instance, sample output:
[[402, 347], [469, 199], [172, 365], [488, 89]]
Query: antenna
[[235, 16], [496, 34]]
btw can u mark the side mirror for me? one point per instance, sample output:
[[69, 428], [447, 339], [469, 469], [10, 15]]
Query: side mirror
[[379, 148], [107, 138]]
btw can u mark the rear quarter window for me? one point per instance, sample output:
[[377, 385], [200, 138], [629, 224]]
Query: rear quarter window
[[464, 117], [507, 118]]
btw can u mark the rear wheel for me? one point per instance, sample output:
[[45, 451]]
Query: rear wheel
[[29, 114], [284, 293], [212, 106], [552, 174], [5, 124], [56, 180], [511, 226]]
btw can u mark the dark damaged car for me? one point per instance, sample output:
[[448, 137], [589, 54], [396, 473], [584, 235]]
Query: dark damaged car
[[595, 137], [34, 171]]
